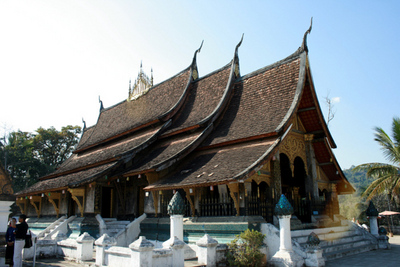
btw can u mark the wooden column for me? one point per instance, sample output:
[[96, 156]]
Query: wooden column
[[188, 197], [234, 192], [153, 177]]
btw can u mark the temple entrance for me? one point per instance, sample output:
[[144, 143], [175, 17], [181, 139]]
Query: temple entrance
[[107, 202], [140, 200], [71, 205], [259, 201], [294, 186]]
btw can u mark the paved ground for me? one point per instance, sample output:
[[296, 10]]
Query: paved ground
[[378, 258]]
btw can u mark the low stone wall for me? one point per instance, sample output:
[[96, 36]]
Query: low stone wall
[[67, 248], [117, 256], [143, 253], [162, 257]]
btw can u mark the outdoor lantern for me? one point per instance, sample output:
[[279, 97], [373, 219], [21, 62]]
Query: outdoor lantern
[[42, 195], [173, 191], [30, 197], [90, 185], [139, 176], [190, 190], [118, 180], [127, 179], [63, 191], [212, 188]]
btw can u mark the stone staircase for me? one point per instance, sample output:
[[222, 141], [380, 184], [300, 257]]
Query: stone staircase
[[113, 227], [338, 242], [44, 234]]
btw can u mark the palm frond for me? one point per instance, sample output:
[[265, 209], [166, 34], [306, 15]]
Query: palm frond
[[396, 131], [387, 145], [376, 187]]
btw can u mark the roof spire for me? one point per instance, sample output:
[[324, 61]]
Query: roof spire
[[304, 44]]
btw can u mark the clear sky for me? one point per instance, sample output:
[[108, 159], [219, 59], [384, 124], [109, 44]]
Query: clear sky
[[58, 57]]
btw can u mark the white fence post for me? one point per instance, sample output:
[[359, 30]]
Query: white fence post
[[84, 247], [207, 251], [142, 253], [102, 244]]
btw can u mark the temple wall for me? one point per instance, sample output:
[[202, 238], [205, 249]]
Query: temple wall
[[149, 204], [63, 204], [89, 201], [47, 208], [131, 200]]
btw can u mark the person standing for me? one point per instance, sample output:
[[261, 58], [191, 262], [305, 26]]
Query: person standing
[[10, 238], [20, 235]]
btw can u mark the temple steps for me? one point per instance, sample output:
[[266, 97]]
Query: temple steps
[[337, 242], [193, 263], [113, 227]]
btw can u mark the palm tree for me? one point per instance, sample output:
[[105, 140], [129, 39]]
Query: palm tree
[[387, 176]]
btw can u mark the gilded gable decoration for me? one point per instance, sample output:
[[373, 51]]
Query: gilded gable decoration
[[141, 85], [294, 146]]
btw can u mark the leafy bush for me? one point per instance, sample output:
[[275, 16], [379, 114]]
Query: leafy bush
[[244, 250]]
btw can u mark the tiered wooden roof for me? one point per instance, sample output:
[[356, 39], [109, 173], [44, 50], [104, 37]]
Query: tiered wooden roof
[[206, 130]]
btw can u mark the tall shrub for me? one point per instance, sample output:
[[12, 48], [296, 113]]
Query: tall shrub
[[244, 250]]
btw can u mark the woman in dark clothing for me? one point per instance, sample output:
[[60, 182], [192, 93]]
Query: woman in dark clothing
[[10, 238], [20, 235]]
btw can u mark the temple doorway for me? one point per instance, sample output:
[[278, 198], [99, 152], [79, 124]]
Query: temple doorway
[[107, 202]]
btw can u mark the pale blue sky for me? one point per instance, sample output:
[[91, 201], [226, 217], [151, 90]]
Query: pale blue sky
[[57, 57]]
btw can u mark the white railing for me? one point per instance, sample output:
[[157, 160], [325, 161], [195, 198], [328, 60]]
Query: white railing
[[47, 230], [61, 228], [102, 224], [130, 233]]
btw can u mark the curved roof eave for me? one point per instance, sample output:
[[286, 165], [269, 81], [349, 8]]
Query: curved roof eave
[[193, 69], [164, 117], [228, 89], [257, 164], [318, 108], [299, 90]]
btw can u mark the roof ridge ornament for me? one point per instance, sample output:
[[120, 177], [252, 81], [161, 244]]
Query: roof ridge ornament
[[236, 58], [237, 46], [101, 104], [304, 44], [195, 73], [84, 124]]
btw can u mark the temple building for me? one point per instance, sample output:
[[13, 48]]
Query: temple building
[[231, 144]]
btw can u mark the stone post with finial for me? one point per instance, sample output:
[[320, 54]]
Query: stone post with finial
[[285, 256], [373, 213], [176, 210], [314, 252]]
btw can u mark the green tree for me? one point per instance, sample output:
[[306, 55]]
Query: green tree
[[53, 147], [19, 159], [29, 156], [386, 176]]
